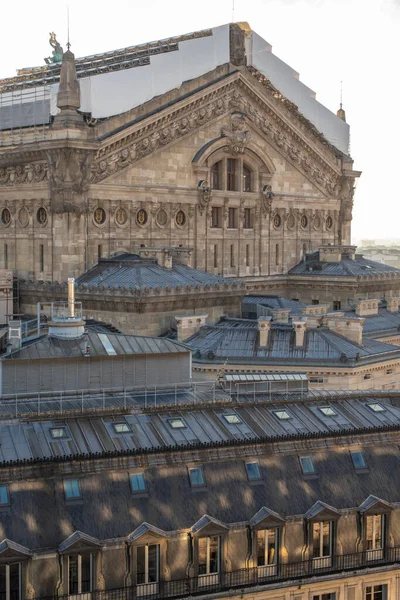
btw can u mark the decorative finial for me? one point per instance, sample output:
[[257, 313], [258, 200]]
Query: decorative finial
[[340, 113], [341, 87], [68, 42]]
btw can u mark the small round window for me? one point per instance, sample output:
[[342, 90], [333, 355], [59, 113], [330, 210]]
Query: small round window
[[277, 221], [99, 216], [329, 223], [6, 216], [141, 217], [303, 221], [180, 218]]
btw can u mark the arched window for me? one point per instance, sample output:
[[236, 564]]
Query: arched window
[[216, 176], [246, 178]]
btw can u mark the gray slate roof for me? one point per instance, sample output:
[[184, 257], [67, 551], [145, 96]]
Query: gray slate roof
[[347, 267], [131, 271], [228, 495], [384, 322], [51, 347], [272, 302], [238, 339]]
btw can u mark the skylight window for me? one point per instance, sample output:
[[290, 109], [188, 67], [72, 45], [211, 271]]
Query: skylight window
[[138, 483], [121, 427], [196, 477], [58, 432], [72, 489], [307, 465], [3, 495], [376, 407], [177, 423], [328, 411], [358, 460], [232, 419], [282, 414], [253, 471]]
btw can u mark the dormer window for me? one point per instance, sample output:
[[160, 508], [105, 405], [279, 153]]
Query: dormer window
[[322, 539], [374, 535], [80, 573]]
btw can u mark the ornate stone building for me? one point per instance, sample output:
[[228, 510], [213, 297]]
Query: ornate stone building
[[154, 146]]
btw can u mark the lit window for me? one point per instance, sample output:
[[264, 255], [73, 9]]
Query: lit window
[[177, 423], [232, 419], [138, 483], [376, 407], [209, 551], [358, 460], [196, 477], [376, 592], [322, 539], [307, 465], [282, 414], [72, 489], [148, 565], [328, 411], [10, 581], [58, 432], [3, 495], [267, 547], [80, 573], [253, 471], [375, 526], [121, 427]]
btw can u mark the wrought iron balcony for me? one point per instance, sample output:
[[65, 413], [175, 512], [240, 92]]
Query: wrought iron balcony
[[245, 578]]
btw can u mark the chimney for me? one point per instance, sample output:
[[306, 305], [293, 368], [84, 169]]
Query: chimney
[[280, 315], [392, 304], [163, 255], [188, 325], [313, 314], [365, 308], [264, 327], [350, 328], [300, 329], [330, 254], [71, 298]]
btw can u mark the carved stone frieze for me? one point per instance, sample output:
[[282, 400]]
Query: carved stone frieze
[[236, 134], [29, 173], [346, 198], [69, 178]]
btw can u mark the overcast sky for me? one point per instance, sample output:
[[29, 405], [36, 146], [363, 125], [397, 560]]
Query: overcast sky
[[326, 41]]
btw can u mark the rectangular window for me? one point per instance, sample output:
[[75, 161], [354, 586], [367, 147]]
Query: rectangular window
[[322, 539], [138, 483], [121, 427], [314, 301], [215, 256], [328, 411], [148, 564], [376, 407], [3, 495], [247, 255], [307, 465], [316, 380], [58, 432], [10, 581], [283, 415], [80, 573], [329, 596], [267, 547], [216, 217], [216, 176], [389, 371], [196, 477], [99, 252], [248, 220], [358, 460], [277, 254], [374, 531], [337, 305], [72, 489], [376, 592], [41, 258], [5, 256], [209, 551], [232, 218], [177, 423], [232, 255], [253, 471], [231, 174], [246, 178], [232, 419]]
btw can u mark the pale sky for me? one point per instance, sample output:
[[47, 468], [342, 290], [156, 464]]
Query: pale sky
[[326, 41]]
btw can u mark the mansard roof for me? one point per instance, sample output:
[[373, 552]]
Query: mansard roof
[[237, 340], [78, 539], [356, 266]]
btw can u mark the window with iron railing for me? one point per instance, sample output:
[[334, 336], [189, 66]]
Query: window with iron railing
[[148, 564], [80, 573], [209, 555], [10, 581], [267, 547], [322, 539]]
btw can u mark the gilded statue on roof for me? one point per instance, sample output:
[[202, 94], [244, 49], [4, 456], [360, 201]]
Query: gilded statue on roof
[[57, 53]]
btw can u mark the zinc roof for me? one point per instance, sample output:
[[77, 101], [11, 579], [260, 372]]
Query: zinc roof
[[347, 267]]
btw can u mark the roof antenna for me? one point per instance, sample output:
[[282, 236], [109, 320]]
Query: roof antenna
[[68, 42], [341, 94]]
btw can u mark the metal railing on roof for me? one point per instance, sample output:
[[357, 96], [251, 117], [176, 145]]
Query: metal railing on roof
[[246, 578]]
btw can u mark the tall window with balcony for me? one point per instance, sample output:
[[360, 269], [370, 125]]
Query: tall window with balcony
[[147, 569], [80, 573], [374, 536], [209, 550], [322, 543], [267, 551], [10, 581]]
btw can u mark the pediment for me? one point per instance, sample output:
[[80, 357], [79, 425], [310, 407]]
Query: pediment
[[282, 128], [79, 541], [374, 505], [146, 530], [266, 518], [209, 526], [322, 512], [10, 549]]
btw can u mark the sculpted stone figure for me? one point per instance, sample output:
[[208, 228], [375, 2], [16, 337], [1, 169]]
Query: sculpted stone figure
[[57, 53], [69, 174], [236, 134]]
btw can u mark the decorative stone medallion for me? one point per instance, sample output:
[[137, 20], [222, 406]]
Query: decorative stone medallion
[[23, 217], [141, 217], [121, 216], [329, 223], [41, 216], [277, 221], [180, 218], [6, 217], [99, 216], [317, 222], [291, 221], [161, 218], [303, 221]]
